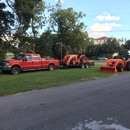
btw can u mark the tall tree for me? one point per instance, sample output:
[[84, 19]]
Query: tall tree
[[6, 20], [127, 45], [44, 44], [107, 49], [66, 23], [29, 16], [110, 47]]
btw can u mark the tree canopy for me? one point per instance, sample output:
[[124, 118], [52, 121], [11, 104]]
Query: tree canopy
[[6, 20], [28, 17], [50, 30], [66, 23]]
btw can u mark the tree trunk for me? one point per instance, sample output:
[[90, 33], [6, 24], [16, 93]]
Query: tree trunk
[[67, 50]]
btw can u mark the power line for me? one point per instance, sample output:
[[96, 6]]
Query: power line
[[93, 15], [106, 9]]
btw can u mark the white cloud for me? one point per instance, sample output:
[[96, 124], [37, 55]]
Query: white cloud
[[100, 29], [106, 17]]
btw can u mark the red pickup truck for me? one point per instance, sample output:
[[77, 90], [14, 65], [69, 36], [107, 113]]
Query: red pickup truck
[[27, 61]]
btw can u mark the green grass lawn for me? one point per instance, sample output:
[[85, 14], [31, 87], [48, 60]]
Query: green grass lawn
[[31, 80]]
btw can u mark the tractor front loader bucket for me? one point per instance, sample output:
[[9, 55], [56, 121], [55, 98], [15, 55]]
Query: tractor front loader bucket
[[108, 69]]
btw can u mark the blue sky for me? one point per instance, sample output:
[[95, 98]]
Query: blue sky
[[109, 18]]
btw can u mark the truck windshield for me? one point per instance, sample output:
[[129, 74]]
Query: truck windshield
[[18, 57]]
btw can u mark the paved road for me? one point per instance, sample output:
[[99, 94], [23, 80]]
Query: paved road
[[100, 103]]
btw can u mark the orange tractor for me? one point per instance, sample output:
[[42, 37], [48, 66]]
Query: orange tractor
[[76, 60], [116, 65]]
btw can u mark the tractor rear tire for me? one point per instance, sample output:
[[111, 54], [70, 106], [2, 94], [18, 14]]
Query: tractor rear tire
[[84, 59], [128, 66]]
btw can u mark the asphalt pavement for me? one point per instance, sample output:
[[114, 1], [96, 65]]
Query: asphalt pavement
[[98, 105]]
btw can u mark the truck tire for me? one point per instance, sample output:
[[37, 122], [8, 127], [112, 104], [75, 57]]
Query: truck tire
[[15, 70], [128, 66], [120, 67], [51, 67]]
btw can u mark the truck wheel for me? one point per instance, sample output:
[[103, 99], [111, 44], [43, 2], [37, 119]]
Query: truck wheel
[[128, 66], [15, 70], [51, 67]]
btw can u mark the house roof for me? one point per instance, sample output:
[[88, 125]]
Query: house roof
[[101, 38]]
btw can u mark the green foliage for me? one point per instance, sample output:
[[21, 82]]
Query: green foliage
[[64, 28], [66, 24], [44, 44], [6, 20], [93, 57], [2, 54], [28, 16], [7, 47], [122, 51], [127, 45], [106, 49]]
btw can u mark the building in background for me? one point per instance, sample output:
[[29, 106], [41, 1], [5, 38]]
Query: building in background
[[103, 39]]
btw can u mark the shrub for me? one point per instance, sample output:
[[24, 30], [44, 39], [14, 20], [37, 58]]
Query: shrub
[[2, 54]]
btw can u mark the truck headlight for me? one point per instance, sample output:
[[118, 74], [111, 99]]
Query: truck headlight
[[7, 64]]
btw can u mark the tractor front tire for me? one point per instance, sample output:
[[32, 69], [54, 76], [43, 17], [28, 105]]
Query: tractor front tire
[[120, 67], [84, 59]]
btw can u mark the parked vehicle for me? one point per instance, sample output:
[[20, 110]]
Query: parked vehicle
[[116, 65], [76, 60], [27, 61], [101, 58]]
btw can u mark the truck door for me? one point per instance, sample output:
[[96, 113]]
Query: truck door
[[27, 63], [37, 61]]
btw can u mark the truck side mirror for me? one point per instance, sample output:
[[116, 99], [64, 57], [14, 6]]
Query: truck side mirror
[[25, 59]]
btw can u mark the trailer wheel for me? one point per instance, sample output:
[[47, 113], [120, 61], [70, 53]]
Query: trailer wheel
[[86, 65], [51, 67], [15, 70], [82, 65], [128, 66], [120, 67]]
